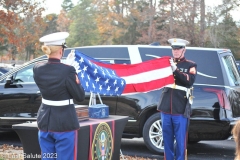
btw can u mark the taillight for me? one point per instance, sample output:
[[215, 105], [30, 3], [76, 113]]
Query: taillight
[[222, 97]]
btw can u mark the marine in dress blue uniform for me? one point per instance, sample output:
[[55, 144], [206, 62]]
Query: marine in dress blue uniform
[[175, 102], [58, 83]]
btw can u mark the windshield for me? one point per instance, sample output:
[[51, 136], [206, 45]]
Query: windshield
[[14, 70]]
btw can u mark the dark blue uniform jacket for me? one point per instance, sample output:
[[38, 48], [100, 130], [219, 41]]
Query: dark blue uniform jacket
[[56, 82], [174, 101]]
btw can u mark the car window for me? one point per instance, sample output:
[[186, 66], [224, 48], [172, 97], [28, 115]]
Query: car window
[[206, 67], [151, 53], [122, 61], [232, 70], [114, 55], [117, 61], [24, 75]]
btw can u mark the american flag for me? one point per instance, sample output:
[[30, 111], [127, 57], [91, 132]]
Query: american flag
[[116, 79]]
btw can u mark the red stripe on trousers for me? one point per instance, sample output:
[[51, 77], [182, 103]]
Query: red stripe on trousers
[[90, 144], [75, 144]]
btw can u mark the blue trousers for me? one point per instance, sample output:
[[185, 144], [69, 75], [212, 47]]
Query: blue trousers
[[58, 145], [174, 126]]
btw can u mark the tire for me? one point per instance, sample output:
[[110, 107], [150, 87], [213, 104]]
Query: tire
[[152, 134]]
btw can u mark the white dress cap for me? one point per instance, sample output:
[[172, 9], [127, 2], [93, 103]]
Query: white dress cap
[[54, 39], [178, 42]]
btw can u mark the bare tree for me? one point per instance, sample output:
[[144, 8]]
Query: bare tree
[[171, 19], [202, 24], [192, 22]]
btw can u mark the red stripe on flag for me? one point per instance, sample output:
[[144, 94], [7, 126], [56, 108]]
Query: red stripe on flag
[[143, 77], [148, 86], [132, 69]]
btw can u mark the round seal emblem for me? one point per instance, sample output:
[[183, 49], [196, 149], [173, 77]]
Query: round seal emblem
[[102, 143]]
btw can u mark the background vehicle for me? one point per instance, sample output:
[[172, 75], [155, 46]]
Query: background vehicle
[[216, 92], [4, 70], [238, 64]]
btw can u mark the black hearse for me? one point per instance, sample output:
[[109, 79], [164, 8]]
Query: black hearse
[[216, 91]]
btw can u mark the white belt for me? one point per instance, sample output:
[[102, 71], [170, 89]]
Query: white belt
[[177, 87], [57, 103], [187, 90]]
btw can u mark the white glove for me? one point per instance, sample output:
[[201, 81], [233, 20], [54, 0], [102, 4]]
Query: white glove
[[173, 65]]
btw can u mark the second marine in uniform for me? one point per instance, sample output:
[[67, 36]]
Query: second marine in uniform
[[174, 100]]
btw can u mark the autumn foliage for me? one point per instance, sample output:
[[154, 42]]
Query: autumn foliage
[[21, 25], [108, 22]]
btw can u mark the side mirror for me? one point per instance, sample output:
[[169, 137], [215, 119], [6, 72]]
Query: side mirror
[[9, 79], [9, 83]]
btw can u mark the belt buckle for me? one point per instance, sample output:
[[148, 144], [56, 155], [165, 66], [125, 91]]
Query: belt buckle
[[174, 86]]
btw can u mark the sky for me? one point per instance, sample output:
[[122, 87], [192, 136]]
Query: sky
[[55, 6]]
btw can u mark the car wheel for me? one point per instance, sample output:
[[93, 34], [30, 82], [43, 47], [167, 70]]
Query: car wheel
[[152, 134]]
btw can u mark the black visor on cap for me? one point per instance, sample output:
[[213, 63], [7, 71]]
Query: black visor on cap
[[177, 47], [64, 45]]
